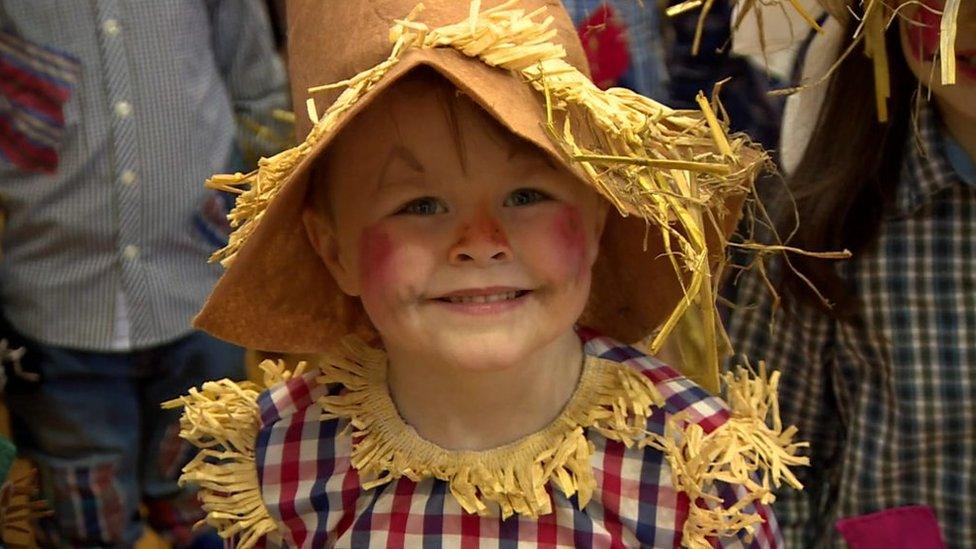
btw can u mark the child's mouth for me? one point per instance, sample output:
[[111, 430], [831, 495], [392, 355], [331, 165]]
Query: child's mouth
[[483, 301], [484, 298]]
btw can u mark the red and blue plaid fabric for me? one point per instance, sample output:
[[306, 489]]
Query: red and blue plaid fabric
[[313, 492], [35, 82]]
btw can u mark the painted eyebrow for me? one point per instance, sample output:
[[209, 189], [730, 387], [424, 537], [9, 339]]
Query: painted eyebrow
[[516, 148], [398, 152]]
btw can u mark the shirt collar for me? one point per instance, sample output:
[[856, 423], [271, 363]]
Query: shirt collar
[[960, 160], [933, 162]]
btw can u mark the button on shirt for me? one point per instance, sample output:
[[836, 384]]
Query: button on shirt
[[106, 247]]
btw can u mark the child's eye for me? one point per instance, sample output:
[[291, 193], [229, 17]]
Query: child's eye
[[426, 205], [524, 197]]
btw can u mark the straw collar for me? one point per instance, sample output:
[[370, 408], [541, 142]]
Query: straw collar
[[610, 397]]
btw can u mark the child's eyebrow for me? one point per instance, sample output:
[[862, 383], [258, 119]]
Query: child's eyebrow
[[516, 148], [398, 152]]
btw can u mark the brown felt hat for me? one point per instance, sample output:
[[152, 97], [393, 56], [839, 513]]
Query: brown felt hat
[[276, 293]]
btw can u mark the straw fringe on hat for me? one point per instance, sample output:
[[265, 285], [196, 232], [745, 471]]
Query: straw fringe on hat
[[676, 177]]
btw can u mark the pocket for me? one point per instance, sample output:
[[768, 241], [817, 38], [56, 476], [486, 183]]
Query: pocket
[[36, 82], [88, 501]]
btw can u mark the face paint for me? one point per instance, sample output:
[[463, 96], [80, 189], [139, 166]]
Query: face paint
[[412, 270], [376, 251], [923, 35], [571, 238], [485, 228]]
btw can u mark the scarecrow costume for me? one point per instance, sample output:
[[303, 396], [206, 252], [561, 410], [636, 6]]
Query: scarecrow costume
[[641, 455]]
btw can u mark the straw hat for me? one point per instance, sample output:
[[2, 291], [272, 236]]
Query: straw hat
[[673, 173]]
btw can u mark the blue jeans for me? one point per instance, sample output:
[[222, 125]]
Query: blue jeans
[[94, 427]]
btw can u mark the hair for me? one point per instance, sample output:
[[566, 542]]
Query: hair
[[846, 177], [422, 80]]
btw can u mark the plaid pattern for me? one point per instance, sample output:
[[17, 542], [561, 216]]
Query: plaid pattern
[[35, 82], [311, 489], [102, 444], [88, 503], [889, 401], [173, 518]]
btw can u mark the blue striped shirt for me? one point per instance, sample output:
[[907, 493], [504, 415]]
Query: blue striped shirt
[[150, 120]]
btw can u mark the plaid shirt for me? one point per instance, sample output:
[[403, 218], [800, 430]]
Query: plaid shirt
[[888, 402], [314, 494]]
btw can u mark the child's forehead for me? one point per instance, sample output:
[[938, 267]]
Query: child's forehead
[[420, 120]]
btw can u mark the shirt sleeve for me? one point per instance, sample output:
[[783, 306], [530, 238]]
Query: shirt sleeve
[[799, 343], [252, 70]]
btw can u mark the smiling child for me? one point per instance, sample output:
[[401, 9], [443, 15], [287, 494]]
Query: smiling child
[[436, 214]]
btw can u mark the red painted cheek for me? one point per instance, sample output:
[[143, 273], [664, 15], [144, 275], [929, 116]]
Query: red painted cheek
[[570, 239], [923, 34], [376, 253]]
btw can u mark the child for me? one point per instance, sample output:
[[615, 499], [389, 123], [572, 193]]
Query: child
[[882, 383], [442, 210]]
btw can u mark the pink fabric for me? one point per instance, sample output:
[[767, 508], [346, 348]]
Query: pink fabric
[[912, 527]]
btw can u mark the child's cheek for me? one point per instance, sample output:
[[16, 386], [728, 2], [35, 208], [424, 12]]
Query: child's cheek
[[568, 241], [923, 34], [377, 268], [394, 264]]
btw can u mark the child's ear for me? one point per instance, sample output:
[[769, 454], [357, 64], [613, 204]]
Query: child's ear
[[322, 235], [603, 210], [600, 223]]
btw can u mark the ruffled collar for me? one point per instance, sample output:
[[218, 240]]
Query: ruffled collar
[[751, 449], [611, 398]]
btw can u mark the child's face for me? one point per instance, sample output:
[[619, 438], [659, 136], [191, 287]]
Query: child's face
[[920, 35], [464, 243]]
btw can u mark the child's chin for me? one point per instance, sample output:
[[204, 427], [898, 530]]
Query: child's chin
[[483, 353]]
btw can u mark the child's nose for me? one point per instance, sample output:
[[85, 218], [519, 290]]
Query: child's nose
[[481, 241]]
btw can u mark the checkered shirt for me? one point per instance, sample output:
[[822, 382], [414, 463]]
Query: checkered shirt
[[888, 401], [313, 492]]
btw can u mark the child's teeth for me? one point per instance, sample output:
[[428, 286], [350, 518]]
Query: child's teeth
[[483, 298]]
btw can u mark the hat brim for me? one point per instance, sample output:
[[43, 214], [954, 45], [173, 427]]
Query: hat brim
[[277, 294]]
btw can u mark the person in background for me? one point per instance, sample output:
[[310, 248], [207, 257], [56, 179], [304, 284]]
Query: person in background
[[276, 9], [112, 115], [745, 95], [623, 44], [882, 382]]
